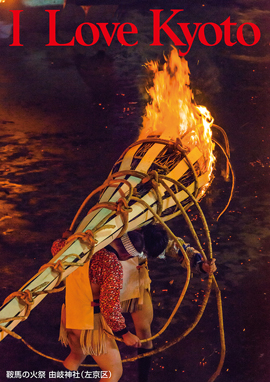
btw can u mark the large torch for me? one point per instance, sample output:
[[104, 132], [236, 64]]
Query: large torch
[[158, 177]]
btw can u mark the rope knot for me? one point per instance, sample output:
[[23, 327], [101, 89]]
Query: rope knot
[[57, 267], [87, 237], [24, 296], [179, 146], [153, 175], [122, 206], [153, 179]]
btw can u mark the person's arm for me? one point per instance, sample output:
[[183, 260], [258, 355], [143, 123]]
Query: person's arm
[[111, 276], [57, 246], [60, 243], [197, 263], [209, 267]]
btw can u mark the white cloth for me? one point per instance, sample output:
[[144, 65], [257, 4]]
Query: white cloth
[[135, 280]]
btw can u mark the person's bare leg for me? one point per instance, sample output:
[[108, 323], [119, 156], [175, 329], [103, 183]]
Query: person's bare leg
[[76, 356], [142, 320], [110, 362]]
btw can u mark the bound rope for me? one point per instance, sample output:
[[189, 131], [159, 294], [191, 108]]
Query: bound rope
[[233, 179]]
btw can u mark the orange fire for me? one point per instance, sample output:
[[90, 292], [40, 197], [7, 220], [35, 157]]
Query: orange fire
[[172, 113]]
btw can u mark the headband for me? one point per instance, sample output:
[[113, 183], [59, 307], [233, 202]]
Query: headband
[[129, 247], [162, 255]]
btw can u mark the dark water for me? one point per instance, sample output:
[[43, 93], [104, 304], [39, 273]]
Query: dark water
[[66, 115]]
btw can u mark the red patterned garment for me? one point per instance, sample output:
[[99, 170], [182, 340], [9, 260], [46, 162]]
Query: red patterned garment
[[106, 271], [57, 246]]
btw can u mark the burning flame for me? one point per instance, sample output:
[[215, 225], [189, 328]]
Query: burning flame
[[172, 113]]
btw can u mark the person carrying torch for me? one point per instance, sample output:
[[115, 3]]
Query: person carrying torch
[[135, 295]]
